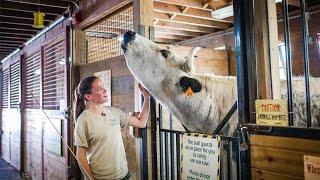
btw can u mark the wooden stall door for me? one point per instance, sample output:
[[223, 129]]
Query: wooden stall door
[[54, 104], [11, 119]]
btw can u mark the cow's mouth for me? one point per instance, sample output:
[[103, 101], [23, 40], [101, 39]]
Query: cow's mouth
[[127, 38]]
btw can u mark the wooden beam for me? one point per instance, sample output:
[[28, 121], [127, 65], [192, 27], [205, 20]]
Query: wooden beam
[[21, 17], [9, 41], [171, 36], [166, 41], [19, 29], [185, 27], [13, 37], [11, 45], [187, 11], [262, 50], [15, 25], [161, 30], [274, 53], [54, 4], [19, 34], [190, 3], [29, 11], [20, 21], [192, 21], [30, 7]]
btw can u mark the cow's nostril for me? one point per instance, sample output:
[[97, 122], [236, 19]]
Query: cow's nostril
[[128, 36]]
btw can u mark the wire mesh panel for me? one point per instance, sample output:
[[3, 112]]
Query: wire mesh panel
[[102, 38], [53, 74], [33, 80], [5, 88], [15, 85]]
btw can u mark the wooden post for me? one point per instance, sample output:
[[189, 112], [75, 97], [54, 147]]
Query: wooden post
[[262, 50], [143, 25], [266, 37], [274, 54]]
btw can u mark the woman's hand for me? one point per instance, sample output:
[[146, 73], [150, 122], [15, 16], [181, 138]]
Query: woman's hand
[[144, 92]]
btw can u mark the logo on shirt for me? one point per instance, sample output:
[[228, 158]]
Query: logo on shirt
[[113, 122]]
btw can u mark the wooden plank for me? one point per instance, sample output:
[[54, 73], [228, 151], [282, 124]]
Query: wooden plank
[[188, 12], [262, 50], [184, 27], [293, 144], [263, 174], [192, 21], [161, 30], [277, 160], [190, 3], [274, 51], [204, 53]]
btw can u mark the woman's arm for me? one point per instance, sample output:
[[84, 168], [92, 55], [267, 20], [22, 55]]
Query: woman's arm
[[141, 121], [83, 162]]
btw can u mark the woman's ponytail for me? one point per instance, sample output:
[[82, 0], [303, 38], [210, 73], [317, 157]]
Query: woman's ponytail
[[79, 103]]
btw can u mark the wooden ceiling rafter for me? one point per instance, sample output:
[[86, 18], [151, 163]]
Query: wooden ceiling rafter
[[182, 18]]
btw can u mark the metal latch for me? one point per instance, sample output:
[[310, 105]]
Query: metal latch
[[245, 139]]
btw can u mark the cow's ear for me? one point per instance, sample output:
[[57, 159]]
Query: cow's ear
[[190, 85]]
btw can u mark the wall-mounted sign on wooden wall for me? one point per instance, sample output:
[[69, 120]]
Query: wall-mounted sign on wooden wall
[[311, 167], [271, 112]]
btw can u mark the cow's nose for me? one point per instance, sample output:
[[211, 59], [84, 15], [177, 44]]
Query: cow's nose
[[127, 37]]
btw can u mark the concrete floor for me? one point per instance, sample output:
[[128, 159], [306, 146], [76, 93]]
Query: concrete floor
[[8, 172]]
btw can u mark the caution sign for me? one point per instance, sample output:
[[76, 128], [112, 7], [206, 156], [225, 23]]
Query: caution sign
[[311, 167], [200, 157], [271, 112]]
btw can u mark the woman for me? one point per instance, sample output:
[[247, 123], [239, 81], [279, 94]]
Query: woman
[[100, 150]]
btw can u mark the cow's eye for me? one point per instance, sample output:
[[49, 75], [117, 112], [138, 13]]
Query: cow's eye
[[164, 53]]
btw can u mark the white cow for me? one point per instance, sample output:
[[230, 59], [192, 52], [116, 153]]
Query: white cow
[[168, 77], [171, 80]]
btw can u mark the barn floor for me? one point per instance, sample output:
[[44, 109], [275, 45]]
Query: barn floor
[[8, 172]]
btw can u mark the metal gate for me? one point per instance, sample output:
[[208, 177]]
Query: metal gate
[[167, 163], [248, 72]]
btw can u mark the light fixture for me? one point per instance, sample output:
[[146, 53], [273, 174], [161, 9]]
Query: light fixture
[[223, 12], [38, 18]]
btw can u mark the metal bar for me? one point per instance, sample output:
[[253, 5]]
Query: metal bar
[[166, 155], [172, 155], [306, 60], [226, 118], [235, 141], [178, 156], [153, 113], [243, 32], [228, 160], [288, 60], [161, 144]]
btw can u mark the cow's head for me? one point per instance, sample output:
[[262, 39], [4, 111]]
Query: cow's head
[[155, 67]]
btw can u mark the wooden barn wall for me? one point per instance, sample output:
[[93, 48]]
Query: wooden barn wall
[[226, 38], [297, 44], [122, 81], [11, 129], [280, 158], [38, 163], [217, 40]]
